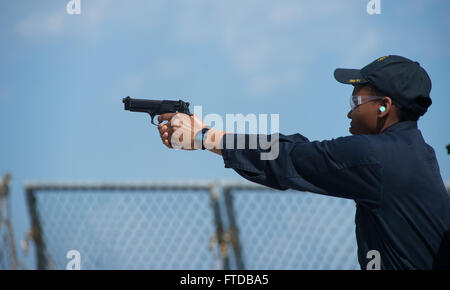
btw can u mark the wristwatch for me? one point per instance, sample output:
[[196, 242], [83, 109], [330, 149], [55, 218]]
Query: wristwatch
[[200, 137]]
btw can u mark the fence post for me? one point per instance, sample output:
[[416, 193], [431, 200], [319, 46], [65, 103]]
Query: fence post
[[223, 247], [36, 230], [5, 203], [234, 232]]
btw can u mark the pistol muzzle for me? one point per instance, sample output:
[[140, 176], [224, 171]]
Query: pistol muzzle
[[126, 101]]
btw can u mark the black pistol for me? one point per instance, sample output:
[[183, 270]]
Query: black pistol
[[156, 107]]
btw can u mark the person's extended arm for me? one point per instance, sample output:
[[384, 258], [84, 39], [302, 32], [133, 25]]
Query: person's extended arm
[[343, 167]]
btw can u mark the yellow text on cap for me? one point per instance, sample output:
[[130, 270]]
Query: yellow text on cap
[[355, 81]]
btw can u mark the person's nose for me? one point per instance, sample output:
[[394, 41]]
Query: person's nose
[[349, 114]]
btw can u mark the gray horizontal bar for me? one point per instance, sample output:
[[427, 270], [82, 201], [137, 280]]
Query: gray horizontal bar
[[150, 185], [147, 185]]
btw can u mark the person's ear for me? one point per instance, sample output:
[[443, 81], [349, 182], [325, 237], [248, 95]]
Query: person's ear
[[384, 107]]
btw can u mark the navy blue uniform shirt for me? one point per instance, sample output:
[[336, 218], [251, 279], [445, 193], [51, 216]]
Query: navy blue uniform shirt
[[403, 208]]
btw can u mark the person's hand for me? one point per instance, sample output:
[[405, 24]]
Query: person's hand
[[179, 130]]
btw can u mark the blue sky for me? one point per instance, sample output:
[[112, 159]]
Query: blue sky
[[63, 77]]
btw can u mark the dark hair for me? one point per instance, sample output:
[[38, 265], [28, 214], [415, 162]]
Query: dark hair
[[402, 114]]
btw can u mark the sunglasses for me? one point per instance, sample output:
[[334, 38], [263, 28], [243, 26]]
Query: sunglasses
[[355, 101]]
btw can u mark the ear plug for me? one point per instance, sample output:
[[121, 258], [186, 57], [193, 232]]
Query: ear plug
[[382, 109]]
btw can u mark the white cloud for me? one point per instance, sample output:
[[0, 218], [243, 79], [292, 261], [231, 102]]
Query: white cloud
[[265, 41]]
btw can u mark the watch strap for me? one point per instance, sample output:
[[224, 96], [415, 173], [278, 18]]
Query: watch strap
[[204, 130]]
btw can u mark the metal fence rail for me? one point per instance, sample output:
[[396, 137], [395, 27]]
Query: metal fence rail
[[190, 225]]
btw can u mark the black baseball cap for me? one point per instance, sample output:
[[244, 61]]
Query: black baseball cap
[[401, 79]]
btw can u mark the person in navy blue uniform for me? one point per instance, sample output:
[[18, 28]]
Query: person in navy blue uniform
[[385, 166]]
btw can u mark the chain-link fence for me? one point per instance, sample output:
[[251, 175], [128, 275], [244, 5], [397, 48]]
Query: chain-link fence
[[295, 230], [200, 225], [118, 226], [190, 225], [8, 257]]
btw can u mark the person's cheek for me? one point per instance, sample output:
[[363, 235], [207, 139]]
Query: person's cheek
[[354, 124], [372, 119]]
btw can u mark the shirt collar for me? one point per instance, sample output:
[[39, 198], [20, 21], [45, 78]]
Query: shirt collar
[[405, 125]]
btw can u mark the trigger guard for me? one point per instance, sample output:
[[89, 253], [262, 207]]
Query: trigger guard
[[153, 120]]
